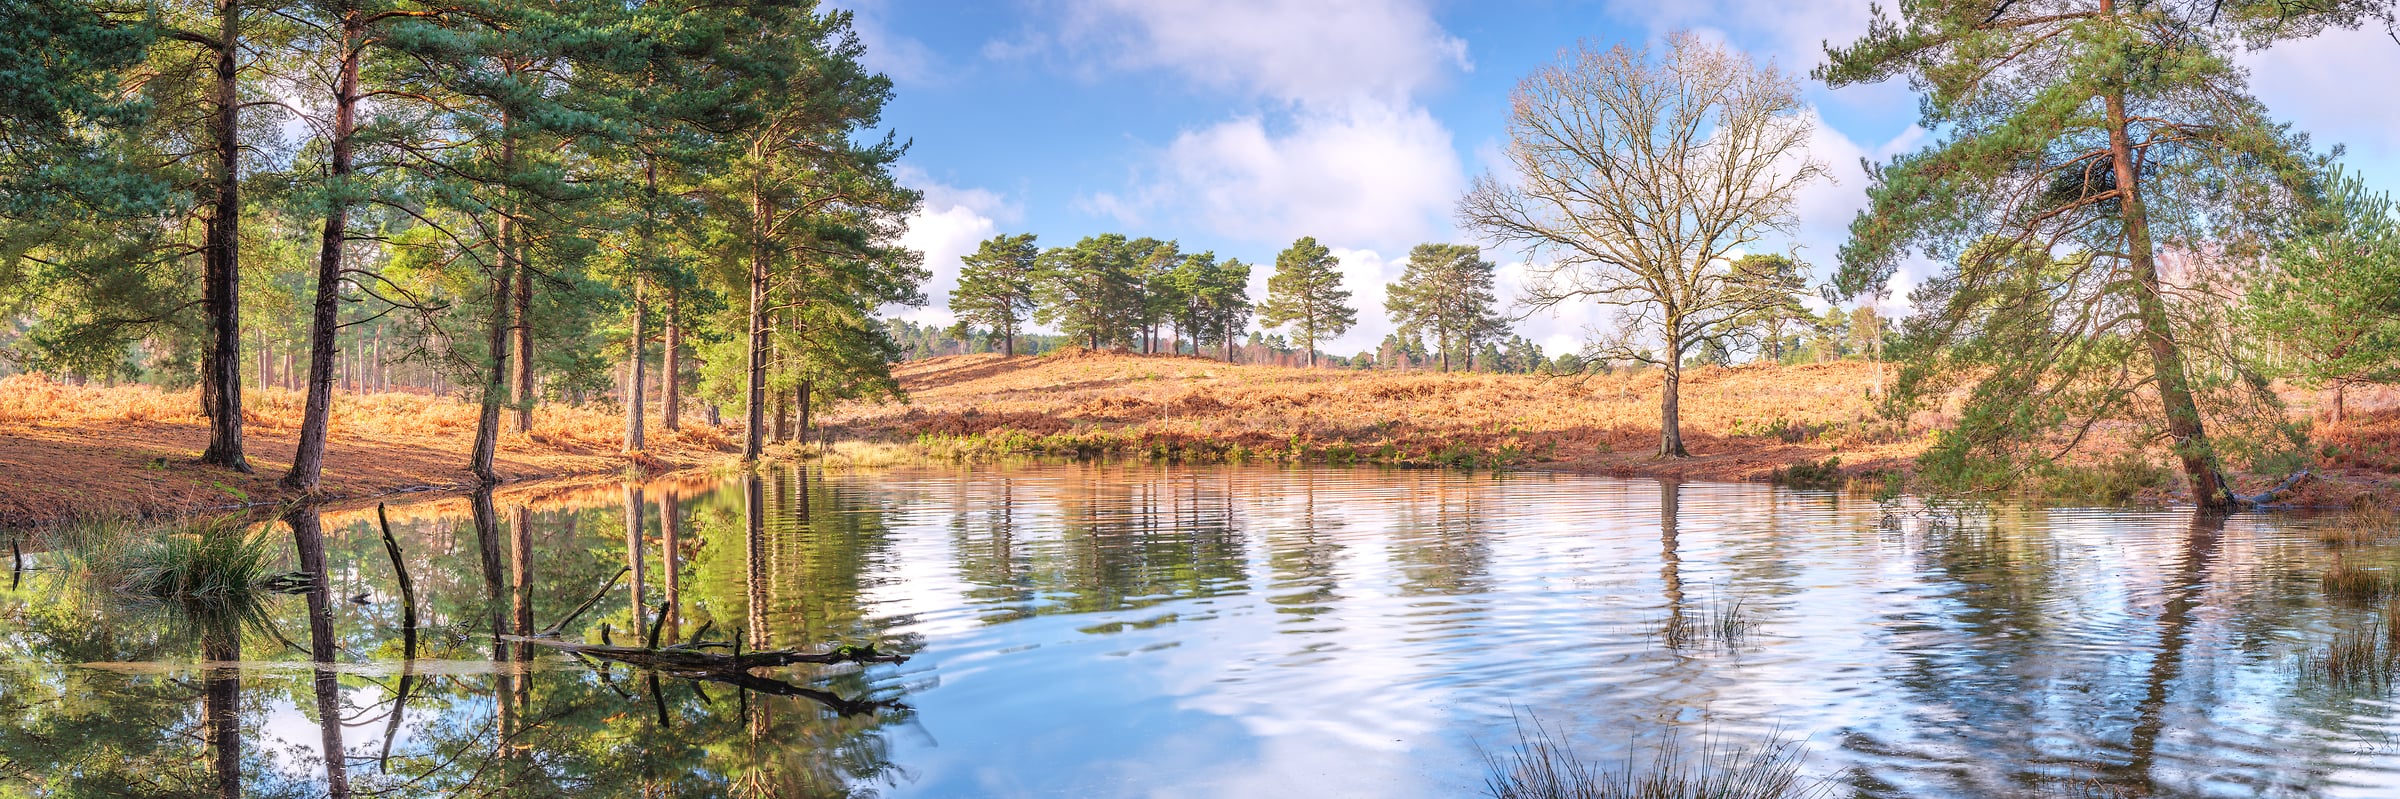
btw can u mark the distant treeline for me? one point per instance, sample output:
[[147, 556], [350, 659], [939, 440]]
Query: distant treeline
[[1147, 295]]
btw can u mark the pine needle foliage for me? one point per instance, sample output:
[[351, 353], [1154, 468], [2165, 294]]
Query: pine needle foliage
[[2103, 176]]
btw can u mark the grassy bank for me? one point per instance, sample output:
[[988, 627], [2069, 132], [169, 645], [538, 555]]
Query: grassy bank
[[1812, 425], [94, 452], [1740, 423]]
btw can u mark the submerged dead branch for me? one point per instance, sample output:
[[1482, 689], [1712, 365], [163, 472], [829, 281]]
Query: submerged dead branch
[[694, 658]]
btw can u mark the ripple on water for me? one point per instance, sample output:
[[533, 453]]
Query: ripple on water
[[1102, 631]]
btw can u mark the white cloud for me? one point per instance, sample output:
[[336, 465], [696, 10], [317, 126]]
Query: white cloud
[[952, 221], [2325, 86], [1304, 51], [1340, 150], [1369, 175], [1790, 32]]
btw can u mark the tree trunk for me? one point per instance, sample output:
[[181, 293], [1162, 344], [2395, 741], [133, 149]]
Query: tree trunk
[[487, 423], [520, 537], [635, 377], [1009, 345], [671, 376], [221, 273], [2340, 409], [2166, 360], [783, 417], [522, 380], [807, 390], [1670, 411], [754, 442], [309, 460]]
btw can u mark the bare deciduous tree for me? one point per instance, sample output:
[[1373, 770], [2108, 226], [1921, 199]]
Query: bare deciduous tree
[[1639, 182]]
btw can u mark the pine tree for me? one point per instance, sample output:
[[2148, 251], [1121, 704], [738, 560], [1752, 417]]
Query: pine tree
[[1154, 269], [2330, 300], [1773, 284], [1306, 292], [2101, 131], [1446, 290], [1090, 291], [1215, 299], [995, 287]]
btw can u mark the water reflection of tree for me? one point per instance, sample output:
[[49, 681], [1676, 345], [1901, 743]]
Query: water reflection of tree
[[993, 559], [74, 732], [1302, 557], [1130, 540], [2005, 665], [557, 729], [1440, 542]]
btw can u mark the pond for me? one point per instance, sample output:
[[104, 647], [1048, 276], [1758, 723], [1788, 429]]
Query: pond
[[1098, 631]]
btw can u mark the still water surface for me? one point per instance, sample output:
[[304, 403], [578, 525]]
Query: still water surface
[[1119, 631]]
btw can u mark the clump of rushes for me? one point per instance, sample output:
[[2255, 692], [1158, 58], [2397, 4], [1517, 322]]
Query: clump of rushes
[[2360, 659], [2344, 581], [210, 562], [1725, 623], [2362, 525], [1543, 766], [2353, 659]]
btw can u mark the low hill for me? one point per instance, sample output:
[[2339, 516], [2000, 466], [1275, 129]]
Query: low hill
[[1739, 423]]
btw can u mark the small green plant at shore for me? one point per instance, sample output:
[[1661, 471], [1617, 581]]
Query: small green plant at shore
[[2115, 482], [1543, 766], [1950, 468], [1824, 475]]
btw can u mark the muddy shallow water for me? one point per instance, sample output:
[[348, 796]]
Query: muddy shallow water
[[1131, 631]]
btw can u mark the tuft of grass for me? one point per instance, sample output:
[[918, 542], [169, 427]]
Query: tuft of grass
[[1544, 766], [211, 578], [2344, 581], [2358, 659], [1725, 623], [2362, 525], [217, 561]]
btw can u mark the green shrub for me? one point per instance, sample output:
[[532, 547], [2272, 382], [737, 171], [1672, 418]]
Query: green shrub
[[1824, 475]]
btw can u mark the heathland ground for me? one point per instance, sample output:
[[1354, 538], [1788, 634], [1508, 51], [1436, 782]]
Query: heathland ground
[[84, 451]]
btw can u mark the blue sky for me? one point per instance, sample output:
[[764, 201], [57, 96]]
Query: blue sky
[[1239, 125]]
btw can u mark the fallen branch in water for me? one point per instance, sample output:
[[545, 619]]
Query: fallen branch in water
[[587, 604], [2268, 496], [693, 658], [692, 662]]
